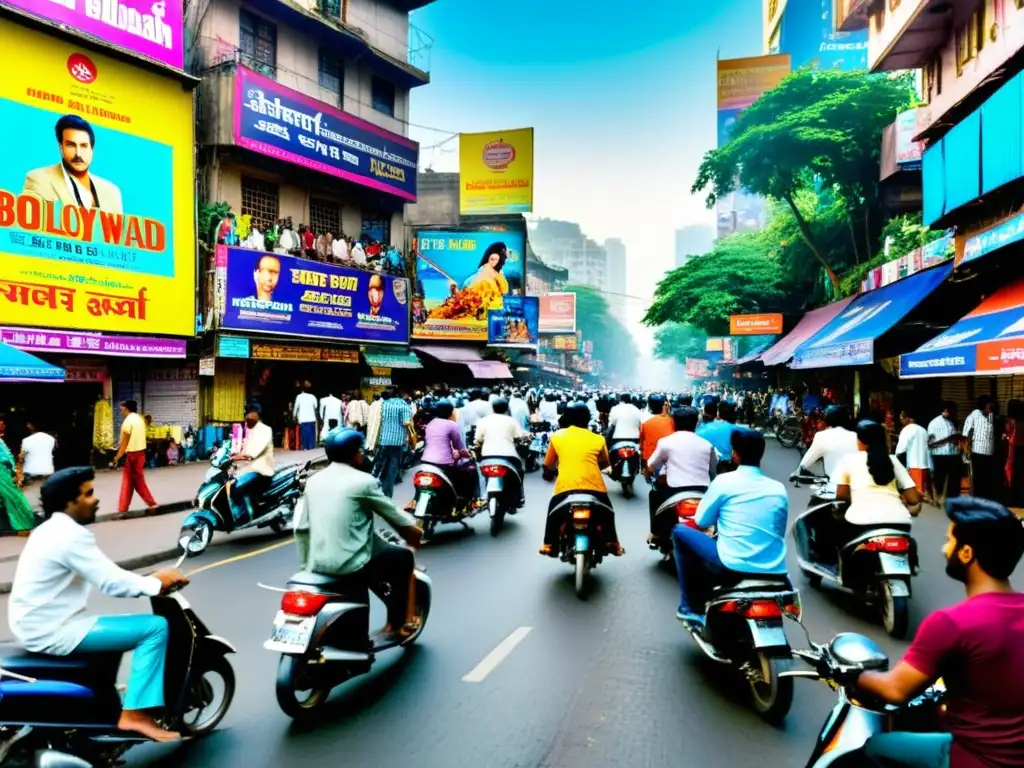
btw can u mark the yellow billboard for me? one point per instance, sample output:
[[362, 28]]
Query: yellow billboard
[[97, 202], [741, 82], [496, 172]]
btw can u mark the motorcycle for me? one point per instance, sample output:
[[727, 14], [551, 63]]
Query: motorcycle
[[789, 430], [538, 447], [437, 500], [625, 464], [71, 703], [855, 719], [322, 632], [678, 509], [875, 565], [504, 489], [582, 538], [220, 507]]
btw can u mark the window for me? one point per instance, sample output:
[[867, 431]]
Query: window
[[332, 75], [376, 226], [323, 217], [259, 198], [383, 96], [258, 43]]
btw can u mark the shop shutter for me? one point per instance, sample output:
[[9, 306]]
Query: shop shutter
[[961, 392], [226, 401], [171, 396], [1009, 388], [124, 390]]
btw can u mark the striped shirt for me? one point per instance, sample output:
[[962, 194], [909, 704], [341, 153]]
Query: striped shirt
[[395, 414], [982, 440], [942, 428]]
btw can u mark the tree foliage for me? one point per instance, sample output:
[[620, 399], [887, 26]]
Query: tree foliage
[[678, 341], [613, 344]]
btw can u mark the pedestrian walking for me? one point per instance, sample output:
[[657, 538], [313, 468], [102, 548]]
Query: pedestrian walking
[[395, 423], [133, 449], [980, 433], [305, 415], [17, 512]]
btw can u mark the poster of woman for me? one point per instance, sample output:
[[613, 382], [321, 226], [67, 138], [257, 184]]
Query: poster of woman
[[460, 277]]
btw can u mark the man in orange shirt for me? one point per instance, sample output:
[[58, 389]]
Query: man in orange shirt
[[651, 431]]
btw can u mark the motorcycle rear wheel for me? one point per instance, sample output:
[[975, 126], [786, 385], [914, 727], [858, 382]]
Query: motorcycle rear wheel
[[772, 698], [201, 689], [788, 437], [497, 513], [627, 489], [895, 613], [582, 567], [289, 679]]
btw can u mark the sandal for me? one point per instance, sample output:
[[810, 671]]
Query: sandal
[[547, 550], [615, 549]]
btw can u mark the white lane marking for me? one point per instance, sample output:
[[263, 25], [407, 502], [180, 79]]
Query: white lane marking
[[498, 655]]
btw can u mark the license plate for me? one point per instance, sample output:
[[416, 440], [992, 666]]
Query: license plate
[[421, 506], [582, 543], [493, 485], [291, 634], [626, 471], [894, 564]]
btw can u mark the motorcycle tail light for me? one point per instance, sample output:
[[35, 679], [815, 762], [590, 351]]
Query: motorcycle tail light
[[426, 480], [493, 470], [894, 545], [687, 507], [303, 603], [755, 609], [581, 513], [627, 453]]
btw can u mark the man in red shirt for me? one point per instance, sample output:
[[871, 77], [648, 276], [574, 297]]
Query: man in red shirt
[[976, 647]]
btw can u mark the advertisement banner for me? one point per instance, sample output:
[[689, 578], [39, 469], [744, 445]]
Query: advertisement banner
[[908, 151], [496, 172], [97, 229], [755, 325], [515, 324], [1002, 234], [150, 28], [460, 277], [304, 354], [278, 122], [558, 313], [698, 367], [808, 35], [40, 340], [565, 343], [276, 293]]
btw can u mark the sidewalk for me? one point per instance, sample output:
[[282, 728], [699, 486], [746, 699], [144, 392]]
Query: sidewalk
[[139, 540]]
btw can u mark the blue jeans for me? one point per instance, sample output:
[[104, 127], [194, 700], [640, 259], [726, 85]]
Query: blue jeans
[[389, 458], [692, 547], [913, 750], [146, 636], [307, 435]]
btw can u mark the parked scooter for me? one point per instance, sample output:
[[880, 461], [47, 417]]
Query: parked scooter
[[874, 565], [678, 509], [71, 703], [583, 539], [322, 632], [438, 500], [854, 719], [221, 507], [625, 464], [504, 492]]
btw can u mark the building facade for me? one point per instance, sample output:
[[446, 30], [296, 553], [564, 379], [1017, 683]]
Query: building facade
[[563, 244], [811, 32], [693, 241]]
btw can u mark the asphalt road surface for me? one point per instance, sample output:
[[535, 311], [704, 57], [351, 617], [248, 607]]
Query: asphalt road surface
[[610, 681]]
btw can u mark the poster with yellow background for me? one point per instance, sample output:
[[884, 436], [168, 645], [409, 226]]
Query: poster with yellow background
[[97, 201], [496, 172]]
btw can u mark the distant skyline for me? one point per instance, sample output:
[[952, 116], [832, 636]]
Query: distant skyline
[[623, 105]]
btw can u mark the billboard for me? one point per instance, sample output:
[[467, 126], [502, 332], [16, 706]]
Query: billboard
[[558, 313], [460, 277], [568, 342], [808, 35], [148, 28], [97, 230], [515, 324], [42, 340], [741, 82], [755, 325], [496, 172], [278, 122], [275, 293]]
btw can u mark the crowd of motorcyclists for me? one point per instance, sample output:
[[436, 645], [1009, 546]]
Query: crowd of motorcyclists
[[707, 445]]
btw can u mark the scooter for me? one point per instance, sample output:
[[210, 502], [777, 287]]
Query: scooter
[[322, 632], [71, 703], [582, 537], [678, 509], [538, 447], [219, 507], [874, 566], [504, 489], [625, 464], [437, 500], [854, 719]]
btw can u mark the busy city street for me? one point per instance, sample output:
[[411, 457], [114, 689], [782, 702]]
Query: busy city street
[[607, 681]]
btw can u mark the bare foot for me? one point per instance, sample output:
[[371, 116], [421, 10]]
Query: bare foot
[[137, 721]]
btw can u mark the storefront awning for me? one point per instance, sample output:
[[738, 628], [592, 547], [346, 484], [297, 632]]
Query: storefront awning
[[385, 357], [457, 355], [490, 370], [16, 365], [750, 357], [782, 351], [988, 341], [849, 339]]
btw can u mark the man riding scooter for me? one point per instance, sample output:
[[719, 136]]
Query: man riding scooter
[[496, 437]]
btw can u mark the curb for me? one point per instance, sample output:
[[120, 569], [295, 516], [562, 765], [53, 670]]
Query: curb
[[129, 564]]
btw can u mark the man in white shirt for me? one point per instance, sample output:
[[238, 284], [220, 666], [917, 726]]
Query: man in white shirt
[[624, 421], [980, 433], [549, 409], [357, 413], [475, 409], [496, 433], [258, 448], [948, 466], [830, 444], [330, 414], [56, 571], [36, 455], [304, 413], [519, 410], [913, 446]]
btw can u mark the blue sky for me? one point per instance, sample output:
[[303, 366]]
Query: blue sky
[[621, 94]]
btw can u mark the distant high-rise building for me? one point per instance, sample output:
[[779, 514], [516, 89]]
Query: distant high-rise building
[[693, 241], [563, 244], [616, 251]]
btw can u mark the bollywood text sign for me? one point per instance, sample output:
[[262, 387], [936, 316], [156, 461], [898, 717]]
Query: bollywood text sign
[[278, 122], [460, 277], [97, 202], [515, 324], [42, 340], [275, 293]]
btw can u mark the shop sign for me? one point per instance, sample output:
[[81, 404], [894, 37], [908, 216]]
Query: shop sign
[[84, 371], [982, 244], [304, 354], [496, 172], [381, 377], [207, 366], [41, 340], [755, 325], [564, 343], [232, 346]]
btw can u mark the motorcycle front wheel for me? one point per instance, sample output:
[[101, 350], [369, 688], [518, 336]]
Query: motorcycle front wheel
[[789, 437], [297, 698], [203, 692], [199, 533]]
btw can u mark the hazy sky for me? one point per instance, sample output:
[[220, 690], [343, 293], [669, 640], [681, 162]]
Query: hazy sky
[[622, 97]]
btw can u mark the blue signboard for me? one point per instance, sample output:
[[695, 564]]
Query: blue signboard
[[232, 346], [808, 36], [279, 122], [982, 244], [516, 324], [275, 293]]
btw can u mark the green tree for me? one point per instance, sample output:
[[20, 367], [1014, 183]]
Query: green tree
[[613, 344], [816, 130], [678, 341]]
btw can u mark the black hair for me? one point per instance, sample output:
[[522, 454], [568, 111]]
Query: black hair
[[73, 123], [727, 412], [948, 405], [685, 418], [495, 248], [63, 487], [386, 394], [835, 416], [500, 405], [131, 405], [748, 445], [656, 403], [685, 400], [983, 401], [910, 411], [624, 397], [444, 409], [577, 415], [880, 466], [992, 531], [711, 408]]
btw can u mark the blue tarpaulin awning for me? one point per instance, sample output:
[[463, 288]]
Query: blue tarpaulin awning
[[988, 341], [16, 365], [849, 338]]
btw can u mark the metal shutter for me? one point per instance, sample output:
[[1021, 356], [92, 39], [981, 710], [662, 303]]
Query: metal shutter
[[172, 396]]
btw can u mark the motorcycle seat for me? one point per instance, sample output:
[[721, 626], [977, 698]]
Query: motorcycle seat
[[351, 585], [753, 582], [84, 668]]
